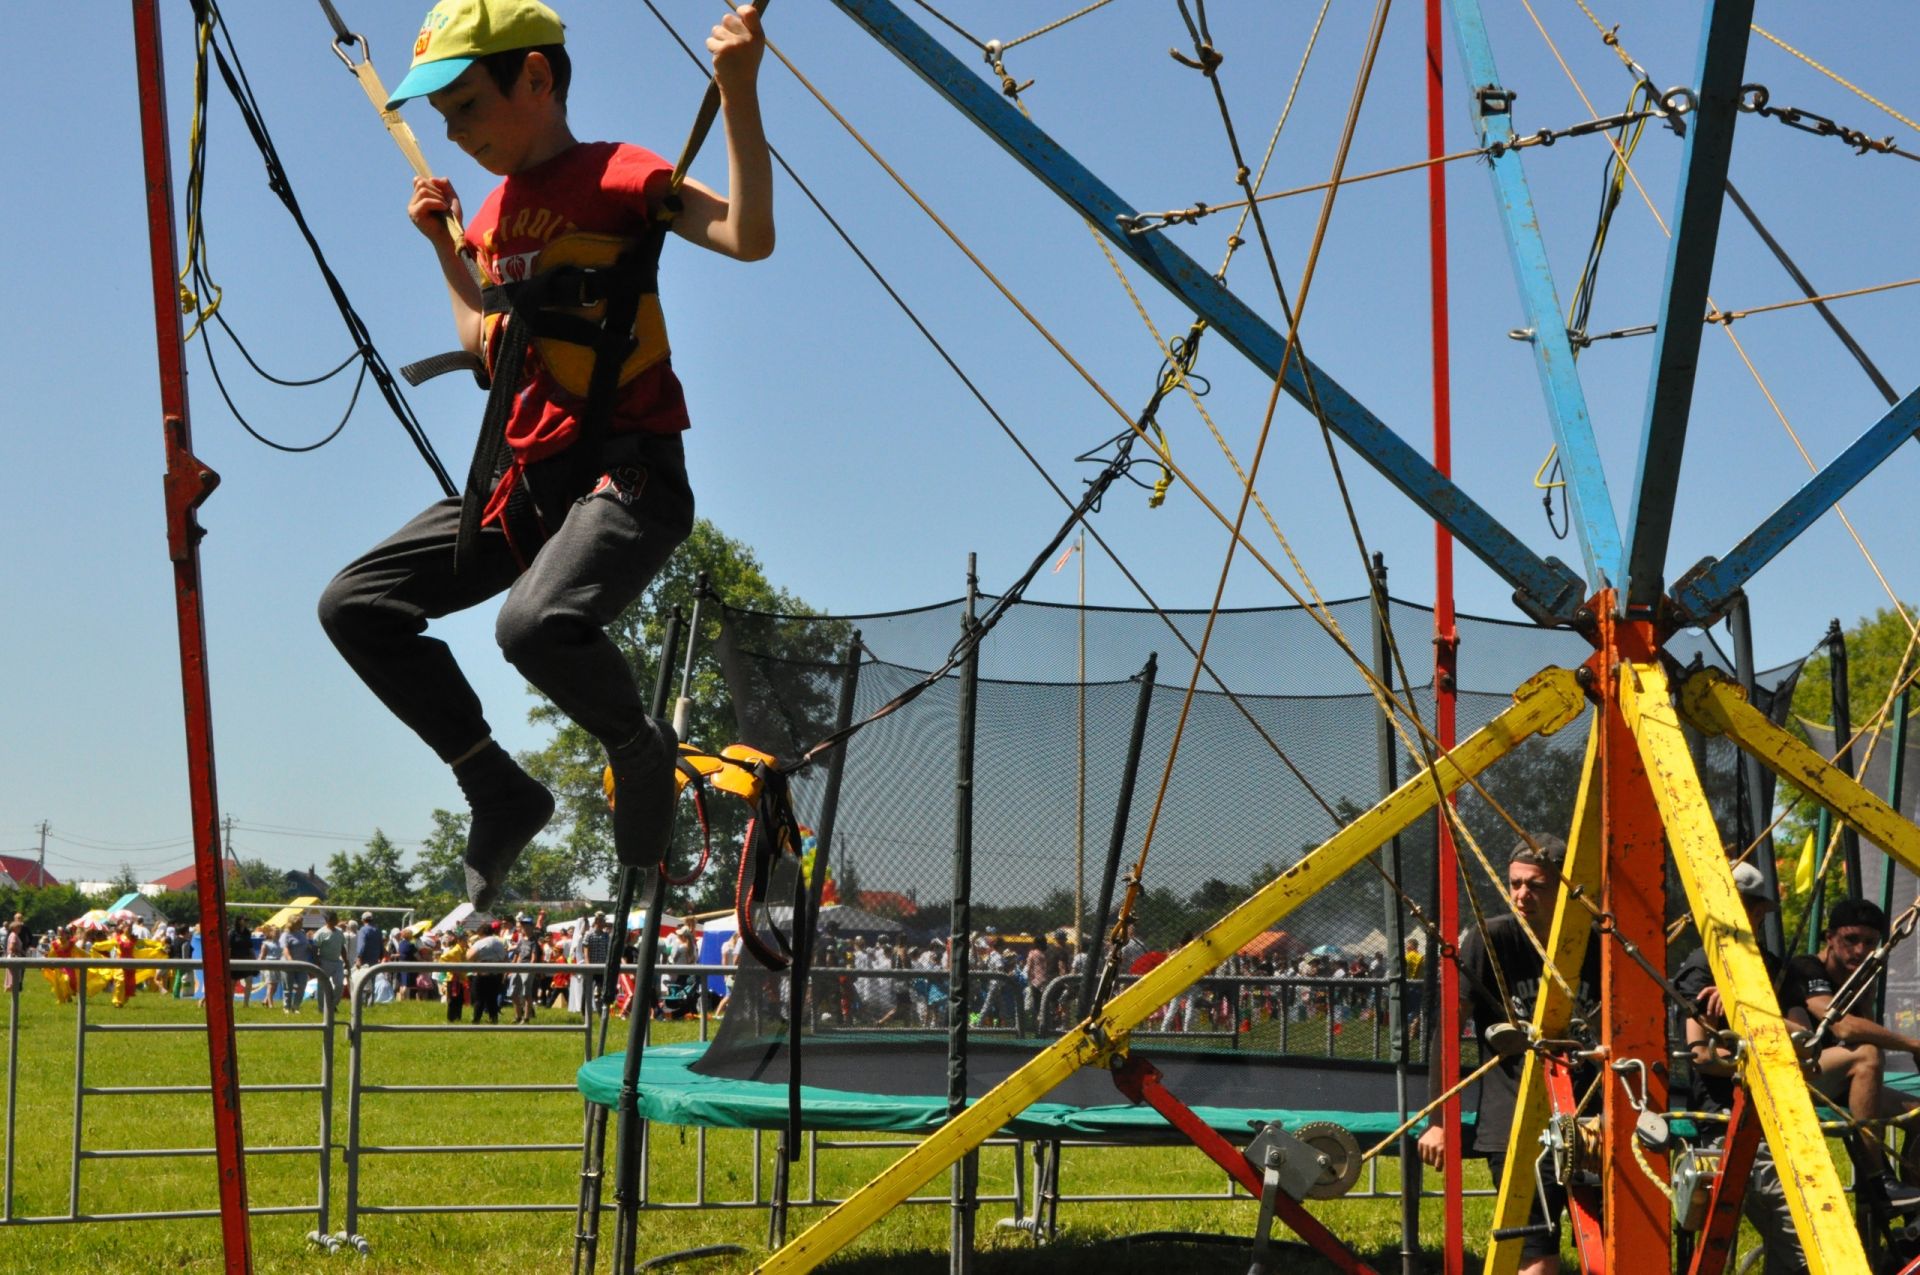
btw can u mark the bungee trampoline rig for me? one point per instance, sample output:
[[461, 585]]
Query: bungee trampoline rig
[[1641, 807]]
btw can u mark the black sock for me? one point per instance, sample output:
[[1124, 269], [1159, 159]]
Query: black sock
[[510, 808]]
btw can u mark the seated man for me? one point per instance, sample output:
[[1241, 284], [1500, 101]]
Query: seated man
[[1852, 1069], [1764, 1202]]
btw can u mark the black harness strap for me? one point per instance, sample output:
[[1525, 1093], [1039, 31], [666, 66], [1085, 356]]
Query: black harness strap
[[489, 449], [529, 307]]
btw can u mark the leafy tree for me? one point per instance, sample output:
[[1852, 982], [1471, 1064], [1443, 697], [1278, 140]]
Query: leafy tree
[[125, 881], [181, 907], [799, 702], [43, 907], [254, 879], [1877, 645], [373, 875], [542, 872], [1878, 652]]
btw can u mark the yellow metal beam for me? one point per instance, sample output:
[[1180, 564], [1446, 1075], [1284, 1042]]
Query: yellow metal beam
[[1772, 1074], [1719, 707], [1544, 704], [1552, 1011]]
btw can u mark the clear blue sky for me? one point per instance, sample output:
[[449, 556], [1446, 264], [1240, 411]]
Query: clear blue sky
[[827, 435]]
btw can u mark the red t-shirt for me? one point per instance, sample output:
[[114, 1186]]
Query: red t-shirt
[[596, 187]]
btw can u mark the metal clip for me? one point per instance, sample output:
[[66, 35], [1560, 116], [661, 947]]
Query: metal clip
[[1495, 100]]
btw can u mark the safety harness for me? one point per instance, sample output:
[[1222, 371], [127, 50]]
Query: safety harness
[[591, 309], [773, 830]]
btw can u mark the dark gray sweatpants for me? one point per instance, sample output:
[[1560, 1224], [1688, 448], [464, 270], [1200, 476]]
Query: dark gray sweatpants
[[602, 551]]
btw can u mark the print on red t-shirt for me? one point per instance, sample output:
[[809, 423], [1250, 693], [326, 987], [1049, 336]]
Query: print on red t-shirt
[[595, 187]]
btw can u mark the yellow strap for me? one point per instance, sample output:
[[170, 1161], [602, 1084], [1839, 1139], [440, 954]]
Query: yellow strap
[[369, 80]]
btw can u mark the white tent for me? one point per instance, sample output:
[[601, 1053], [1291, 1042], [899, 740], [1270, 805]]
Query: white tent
[[462, 915]]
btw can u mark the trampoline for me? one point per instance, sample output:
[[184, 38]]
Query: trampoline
[[899, 1087]]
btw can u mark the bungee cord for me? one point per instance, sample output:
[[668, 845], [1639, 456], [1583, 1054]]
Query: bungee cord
[[212, 36]]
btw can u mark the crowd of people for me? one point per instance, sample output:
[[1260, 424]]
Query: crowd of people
[[339, 947], [1028, 982]]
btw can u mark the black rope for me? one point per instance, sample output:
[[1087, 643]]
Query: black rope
[[1807, 289], [1013, 436], [234, 76]]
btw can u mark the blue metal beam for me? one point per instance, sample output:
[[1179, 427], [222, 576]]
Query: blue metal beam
[[1703, 182], [1706, 591], [1587, 498], [1545, 588]]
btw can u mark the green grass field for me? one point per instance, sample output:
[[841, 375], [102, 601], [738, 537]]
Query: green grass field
[[913, 1239]]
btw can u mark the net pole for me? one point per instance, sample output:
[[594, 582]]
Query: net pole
[[960, 950], [1080, 786], [1843, 732], [626, 883], [1389, 772], [806, 922], [1756, 778], [1096, 953], [1896, 797], [188, 482], [1816, 907], [628, 1130], [836, 770]]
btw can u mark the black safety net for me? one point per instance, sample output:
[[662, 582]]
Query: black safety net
[[1262, 775]]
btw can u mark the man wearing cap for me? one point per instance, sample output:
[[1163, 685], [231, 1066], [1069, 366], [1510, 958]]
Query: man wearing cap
[[1500, 975], [1852, 1063], [1765, 1203], [578, 493], [369, 944]]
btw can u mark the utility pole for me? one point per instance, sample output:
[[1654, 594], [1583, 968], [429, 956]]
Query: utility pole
[[44, 825], [226, 826]]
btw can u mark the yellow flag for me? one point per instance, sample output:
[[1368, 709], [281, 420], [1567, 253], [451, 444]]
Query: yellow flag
[[1803, 874]]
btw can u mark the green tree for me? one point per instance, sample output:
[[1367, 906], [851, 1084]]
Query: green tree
[[1878, 652], [255, 880], [798, 703], [373, 875], [437, 864], [542, 873], [125, 881], [43, 907]]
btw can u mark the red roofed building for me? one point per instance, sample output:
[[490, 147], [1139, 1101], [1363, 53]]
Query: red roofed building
[[187, 879], [25, 871]]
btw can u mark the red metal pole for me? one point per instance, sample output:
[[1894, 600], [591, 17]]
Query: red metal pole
[[1446, 643], [1140, 1081], [187, 484], [1632, 1005]]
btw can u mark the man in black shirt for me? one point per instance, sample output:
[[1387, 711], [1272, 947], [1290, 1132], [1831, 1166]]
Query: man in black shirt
[[1765, 1202], [1853, 1071], [1500, 976]]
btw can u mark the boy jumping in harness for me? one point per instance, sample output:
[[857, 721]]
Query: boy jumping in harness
[[578, 494]]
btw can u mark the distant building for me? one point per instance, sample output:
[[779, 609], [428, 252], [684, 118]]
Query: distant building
[[187, 878], [23, 871], [307, 884]]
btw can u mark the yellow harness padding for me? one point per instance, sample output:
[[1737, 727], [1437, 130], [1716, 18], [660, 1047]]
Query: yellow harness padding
[[571, 362], [731, 772]]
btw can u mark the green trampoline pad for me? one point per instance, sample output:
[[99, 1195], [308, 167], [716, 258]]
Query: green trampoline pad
[[671, 1092]]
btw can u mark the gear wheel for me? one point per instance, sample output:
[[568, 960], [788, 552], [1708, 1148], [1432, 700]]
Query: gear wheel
[[1342, 1153]]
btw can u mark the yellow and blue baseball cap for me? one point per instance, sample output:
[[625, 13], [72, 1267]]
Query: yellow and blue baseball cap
[[456, 32]]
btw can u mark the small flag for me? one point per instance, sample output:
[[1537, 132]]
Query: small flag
[[1803, 874], [1064, 557]]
